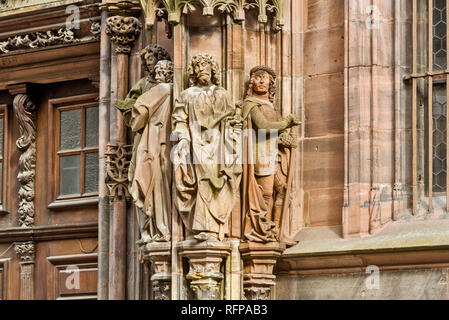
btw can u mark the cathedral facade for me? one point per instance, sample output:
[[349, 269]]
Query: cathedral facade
[[224, 149]]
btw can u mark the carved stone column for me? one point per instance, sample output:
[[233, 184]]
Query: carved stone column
[[123, 29], [26, 251], [117, 163], [205, 260], [259, 260], [159, 254]]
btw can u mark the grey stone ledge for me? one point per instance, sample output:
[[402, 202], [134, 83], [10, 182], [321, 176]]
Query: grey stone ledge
[[395, 236]]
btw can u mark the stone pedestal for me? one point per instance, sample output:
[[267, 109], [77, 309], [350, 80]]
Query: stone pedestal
[[205, 260], [159, 254], [259, 260]]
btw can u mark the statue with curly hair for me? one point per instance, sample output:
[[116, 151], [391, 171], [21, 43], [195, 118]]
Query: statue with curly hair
[[269, 159], [150, 187], [146, 109], [206, 128]]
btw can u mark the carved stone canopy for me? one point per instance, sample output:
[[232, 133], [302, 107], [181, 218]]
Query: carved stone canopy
[[236, 8]]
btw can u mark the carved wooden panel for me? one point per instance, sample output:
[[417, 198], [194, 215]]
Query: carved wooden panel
[[73, 277], [3, 278]]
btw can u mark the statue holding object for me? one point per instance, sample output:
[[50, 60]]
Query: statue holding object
[[269, 161]]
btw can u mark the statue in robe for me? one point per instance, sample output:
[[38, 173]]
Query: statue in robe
[[206, 171], [146, 109], [151, 185], [150, 56], [268, 166]]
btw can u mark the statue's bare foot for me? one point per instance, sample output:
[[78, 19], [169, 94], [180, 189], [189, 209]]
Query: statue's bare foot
[[206, 236]]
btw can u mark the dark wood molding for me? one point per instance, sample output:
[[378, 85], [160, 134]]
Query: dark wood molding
[[4, 274], [45, 233], [15, 89], [71, 203], [50, 64]]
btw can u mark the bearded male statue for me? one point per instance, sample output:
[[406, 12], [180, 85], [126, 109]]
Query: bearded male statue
[[206, 129], [269, 152]]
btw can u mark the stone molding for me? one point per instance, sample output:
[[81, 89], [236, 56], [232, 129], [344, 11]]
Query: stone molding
[[236, 8], [38, 40]]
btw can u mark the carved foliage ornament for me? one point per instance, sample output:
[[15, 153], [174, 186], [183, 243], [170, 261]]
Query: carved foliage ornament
[[236, 8], [24, 108], [25, 250], [117, 164], [123, 31], [38, 40]]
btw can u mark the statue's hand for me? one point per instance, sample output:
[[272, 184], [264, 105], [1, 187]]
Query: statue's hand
[[236, 121], [288, 140], [293, 121]]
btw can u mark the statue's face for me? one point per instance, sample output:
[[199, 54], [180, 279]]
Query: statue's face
[[151, 61], [261, 83], [203, 71], [160, 74]]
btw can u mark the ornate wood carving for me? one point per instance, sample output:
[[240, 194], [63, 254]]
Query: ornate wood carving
[[117, 164], [26, 252], [16, 4], [38, 40], [24, 109], [123, 31], [236, 8]]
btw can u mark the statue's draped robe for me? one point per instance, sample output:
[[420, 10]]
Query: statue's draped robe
[[150, 187], [125, 106], [207, 184], [261, 160]]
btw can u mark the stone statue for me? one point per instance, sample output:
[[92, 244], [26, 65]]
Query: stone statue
[[150, 188], [150, 57], [269, 142], [206, 128], [147, 110]]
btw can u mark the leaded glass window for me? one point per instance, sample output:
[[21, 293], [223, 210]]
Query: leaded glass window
[[78, 150]]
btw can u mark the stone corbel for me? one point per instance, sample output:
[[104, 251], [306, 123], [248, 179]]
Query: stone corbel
[[205, 260], [259, 260], [124, 32], [159, 255], [26, 251], [123, 28]]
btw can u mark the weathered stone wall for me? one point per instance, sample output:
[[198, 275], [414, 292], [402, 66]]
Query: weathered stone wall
[[324, 112], [419, 284]]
